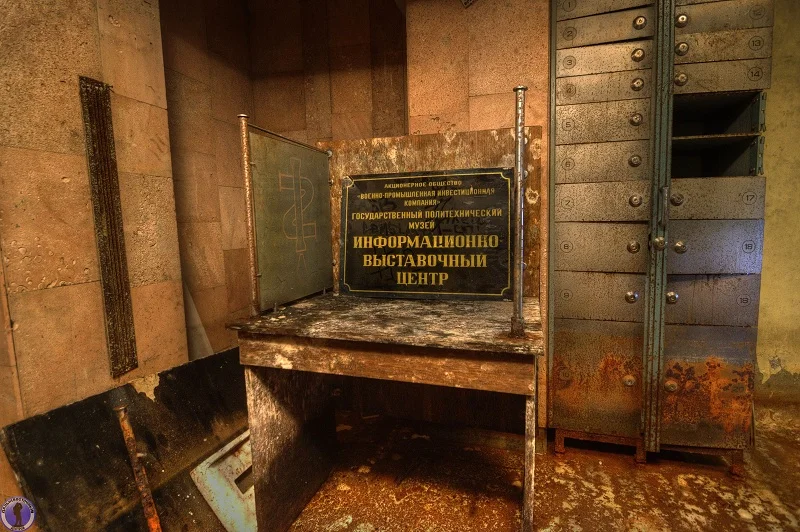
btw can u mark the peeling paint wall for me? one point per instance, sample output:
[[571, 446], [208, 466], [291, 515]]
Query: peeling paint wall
[[779, 315], [49, 255]]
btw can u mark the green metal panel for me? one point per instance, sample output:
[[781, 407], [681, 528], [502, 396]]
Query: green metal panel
[[291, 203]]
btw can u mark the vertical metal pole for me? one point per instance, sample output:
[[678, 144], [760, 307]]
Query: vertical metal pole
[[517, 320], [139, 473], [247, 173]]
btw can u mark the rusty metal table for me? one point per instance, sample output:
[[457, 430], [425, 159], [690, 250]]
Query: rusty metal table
[[288, 353]]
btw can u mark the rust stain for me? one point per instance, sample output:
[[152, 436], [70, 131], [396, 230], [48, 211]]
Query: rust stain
[[711, 391]]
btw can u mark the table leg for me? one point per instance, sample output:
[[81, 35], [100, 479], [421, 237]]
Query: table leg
[[530, 458], [293, 438]]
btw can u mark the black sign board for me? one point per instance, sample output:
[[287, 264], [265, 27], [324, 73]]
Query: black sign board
[[428, 234]]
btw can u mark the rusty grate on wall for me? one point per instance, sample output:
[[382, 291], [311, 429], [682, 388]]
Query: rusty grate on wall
[[104, 184]]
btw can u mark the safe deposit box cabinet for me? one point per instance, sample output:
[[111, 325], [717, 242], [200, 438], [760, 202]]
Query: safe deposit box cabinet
[[657, 229]]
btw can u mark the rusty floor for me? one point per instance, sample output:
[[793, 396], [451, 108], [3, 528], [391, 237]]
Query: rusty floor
[[397, 476]]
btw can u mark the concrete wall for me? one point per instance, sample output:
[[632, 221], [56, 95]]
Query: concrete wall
[[779, 316], [329, 69], [206, 61], [50, 262]]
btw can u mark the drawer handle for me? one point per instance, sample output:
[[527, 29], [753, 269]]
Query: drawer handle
[[681, 79], [677, 199], [680, 247], [636, 119], [637, 84], [671, 385], [659, 243], [635, 200], [681, 20], [635, 161], [640, 22], [672, 297], [682, 48], [634, 246], [629, 380], [632, 297], [637, 55]]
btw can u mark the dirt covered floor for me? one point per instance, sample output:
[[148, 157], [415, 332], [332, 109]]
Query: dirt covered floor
[[397, 475]]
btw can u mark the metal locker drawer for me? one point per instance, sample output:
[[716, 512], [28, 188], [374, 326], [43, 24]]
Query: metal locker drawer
[[609, 27], [597, 376], [723, 16], [690, 2], [714, 299], [717, 198], [623, 201], [605, 161], [605, 58], [599, 296], [723, 76], [723, 46], [599, 122], [601, 247], [707, 386], [604, 87], [566, 9], [715, 246]]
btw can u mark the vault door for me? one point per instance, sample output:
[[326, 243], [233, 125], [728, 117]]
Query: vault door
[[716, 210], [602, 127]]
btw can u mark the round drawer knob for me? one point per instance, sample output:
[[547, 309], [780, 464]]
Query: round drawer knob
[[637, 84], [680, 247], [636, 119], [635, 161], [632, 297], [671, 385], [682, 48], [672, 297], [634, 246], [637, 55], [677, 199], [635, 200], [682, 20], [640, 22], [681, 79], [659, 243], [629, 380]]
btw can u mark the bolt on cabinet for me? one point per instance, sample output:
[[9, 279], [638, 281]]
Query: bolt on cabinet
[[657, 219]]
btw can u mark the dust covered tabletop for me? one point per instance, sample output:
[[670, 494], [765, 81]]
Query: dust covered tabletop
[[454, 325]]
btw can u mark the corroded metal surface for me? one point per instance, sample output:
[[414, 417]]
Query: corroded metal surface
[[520, 184], [601, 247], [567, 9], [603, 161], [252, 252], [465, 325], [624, 201], [139, 472], [716, 246], [603, 122], [722, 16], [724, 45], [599, 296], [713, 198], [604, 87], [605, 28], [723, 76], [597, 377], [714, 299], [708, 385], [107, 207], [618, 57]]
